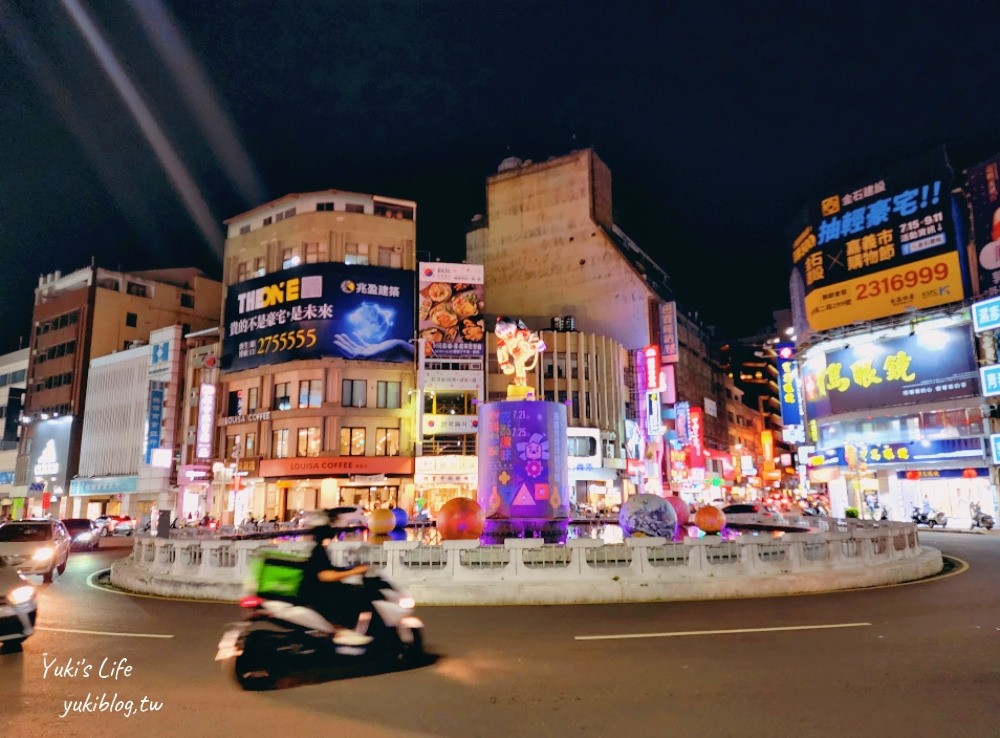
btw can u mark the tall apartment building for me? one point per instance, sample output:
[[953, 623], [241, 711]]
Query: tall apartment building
[[13, 375], [77, 317], [316, 376], [550, 248]]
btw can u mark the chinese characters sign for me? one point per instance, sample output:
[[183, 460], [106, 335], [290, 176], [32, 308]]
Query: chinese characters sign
[[857, 456], [154, 418], [669, 350], [205, 429], [926, 367], [316, 310], [880, 249], [450, 317]]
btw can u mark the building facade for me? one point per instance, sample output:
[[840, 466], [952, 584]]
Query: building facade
[[13, 378]]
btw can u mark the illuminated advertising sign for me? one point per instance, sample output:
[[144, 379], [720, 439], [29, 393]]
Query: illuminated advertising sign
[[654, 416], [154, 418], [986, 315], [669, 350], [929, 366], [50, 451], [788, 385], [982, 187], [206, 421], [989, 376], [909, 452], [696, 437], [882, 248], [767, 447], [450, 311], [681, 413], [651, 357], [347, 311], [995, 447]]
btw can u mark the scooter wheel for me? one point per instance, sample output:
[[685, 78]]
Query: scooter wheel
[[249, 668], [931, 523]]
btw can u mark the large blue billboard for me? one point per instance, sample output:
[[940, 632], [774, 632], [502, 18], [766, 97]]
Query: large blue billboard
[[311, 311], [930, 366]]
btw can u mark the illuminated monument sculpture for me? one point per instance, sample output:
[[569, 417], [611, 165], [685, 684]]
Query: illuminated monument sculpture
[[523, 469]]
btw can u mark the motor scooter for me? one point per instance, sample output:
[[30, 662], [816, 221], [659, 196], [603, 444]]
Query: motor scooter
[[935, 517], [981, 519], [281, 635]]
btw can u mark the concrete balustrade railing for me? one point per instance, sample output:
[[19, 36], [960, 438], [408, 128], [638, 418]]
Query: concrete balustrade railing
[[836, 554]]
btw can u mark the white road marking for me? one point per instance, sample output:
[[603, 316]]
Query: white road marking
[[621, 636], [106, 633]]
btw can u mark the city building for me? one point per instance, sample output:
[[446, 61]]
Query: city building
[[13, 376], [78, 317], [316, 389], [550, 249]]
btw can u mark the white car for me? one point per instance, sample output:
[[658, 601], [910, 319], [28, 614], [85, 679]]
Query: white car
[[751, 514], [35, 546], [18, 609]]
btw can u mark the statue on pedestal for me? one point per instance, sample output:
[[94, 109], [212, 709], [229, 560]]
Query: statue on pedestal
[[517, 353]]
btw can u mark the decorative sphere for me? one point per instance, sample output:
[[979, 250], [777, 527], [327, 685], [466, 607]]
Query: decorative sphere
[[647, 515], [401, 517], [710, 519], [381, 521], [460, 518], [681, 508]]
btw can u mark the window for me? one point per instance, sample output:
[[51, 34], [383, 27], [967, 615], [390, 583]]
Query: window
[[388, 394], [244, 230], [131, 320], [259, 267], [252, 396], [356, 253], [575, 400], [187, 301], [354, 208], [282, 398], [352, 441], [268, 220], [354, 393], [241, 271], [315, 253], [310, 443], [279, 444], [289, 258], [311, 393], [387, 441], [390, 257], [324, 207], [251, 447], [232, 442], [290, 212], [581, 446], [134, 288]]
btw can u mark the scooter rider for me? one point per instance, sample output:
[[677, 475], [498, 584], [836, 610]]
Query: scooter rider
[[324, 591]]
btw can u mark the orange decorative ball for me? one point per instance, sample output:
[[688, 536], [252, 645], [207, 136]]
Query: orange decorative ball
[[460, 518], [710, 519], [381, 521]]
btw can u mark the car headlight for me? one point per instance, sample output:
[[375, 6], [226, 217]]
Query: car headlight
[[43, 554], [21, 595], [407, 603]]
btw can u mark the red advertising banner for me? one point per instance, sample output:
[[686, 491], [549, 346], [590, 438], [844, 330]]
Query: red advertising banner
[[696, 435]]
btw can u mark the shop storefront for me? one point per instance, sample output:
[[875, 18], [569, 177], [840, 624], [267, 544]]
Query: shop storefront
[[438, 479]]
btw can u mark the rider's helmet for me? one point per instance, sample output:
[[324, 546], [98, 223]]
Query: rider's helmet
[[319, 522]]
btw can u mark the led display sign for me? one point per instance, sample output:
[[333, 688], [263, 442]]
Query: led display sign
[[881, 248], [930, 366], [310, 311]]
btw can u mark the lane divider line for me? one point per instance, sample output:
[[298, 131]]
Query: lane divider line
[[622, 636], [105, 633]]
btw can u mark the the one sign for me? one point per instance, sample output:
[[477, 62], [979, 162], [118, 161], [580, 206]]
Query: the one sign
[[908, 452], [681, 410], [669, 349], [986, 314], [104, 486], [450, 312], [651, 357], [696, 437], [311, 311], [929, 366], [50, 450], [995, 447], [154, 418], [788, 386], [881, 248]]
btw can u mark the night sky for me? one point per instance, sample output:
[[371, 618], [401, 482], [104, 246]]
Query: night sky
[[130, 136]]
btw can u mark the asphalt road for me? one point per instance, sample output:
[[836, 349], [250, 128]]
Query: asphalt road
[[915, 660]]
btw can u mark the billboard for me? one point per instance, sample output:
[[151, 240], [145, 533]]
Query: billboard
[[929, 366], [982, 188], [47, 465], [881, 248], [669, 348], [348, 311], [450, 315], [790, 394]]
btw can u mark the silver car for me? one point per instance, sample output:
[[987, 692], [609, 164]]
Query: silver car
[[18, 608], [35, 546]]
